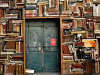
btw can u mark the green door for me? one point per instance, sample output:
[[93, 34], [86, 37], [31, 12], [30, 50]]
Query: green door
[[41, 56]]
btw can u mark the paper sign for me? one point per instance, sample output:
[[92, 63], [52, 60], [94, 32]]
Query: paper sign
[[53, 42]]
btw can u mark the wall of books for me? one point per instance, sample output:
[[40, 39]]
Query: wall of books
[[80, 37], [11, 37], [80, 33]]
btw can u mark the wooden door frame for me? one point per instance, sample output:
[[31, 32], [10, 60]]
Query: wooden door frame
[[60, 34]]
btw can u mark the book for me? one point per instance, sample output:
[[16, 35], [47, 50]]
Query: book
[[16, 28], [19, 1], [40, 11], [19, 47], [30, 13], [1, 68], [10, 45], [1, 46], [4, 28], [1, 29], [10, 68]]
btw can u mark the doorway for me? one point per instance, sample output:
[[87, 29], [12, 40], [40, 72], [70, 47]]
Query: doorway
[[43, 45]]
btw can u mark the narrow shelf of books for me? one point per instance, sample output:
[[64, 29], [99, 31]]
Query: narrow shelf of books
[[11, 37], [80, 37]]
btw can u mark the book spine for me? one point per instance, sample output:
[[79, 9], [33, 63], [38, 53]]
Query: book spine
[[49, 3], [19, 68], [22, 70], [2, 13], [16, 69], [4, 29], [61, 8], [64, 5], [20, 47], [40, 10], [37, 12]]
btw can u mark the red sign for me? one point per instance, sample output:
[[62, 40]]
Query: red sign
[[53, 42]]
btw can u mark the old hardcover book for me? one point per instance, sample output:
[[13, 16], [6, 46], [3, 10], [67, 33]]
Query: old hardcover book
[[19, 1], [1, 46], [16, 28], [4, 28], [1, 69], [10, 45], [65, 49], [16, 68], [10, 68], [18, 47], [1, 29], [61, 8], [40, 10], [79, 23], [19, 68], [64, 5]]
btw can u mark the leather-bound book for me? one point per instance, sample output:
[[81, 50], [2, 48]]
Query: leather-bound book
[[19, 68], [18, 47], [10, 68], [1, 46], [40, 10], [0, 69], [22, 69], [16, 28], [10, 45], [1, 29], [64, 5], [66, 68], [4, 28], [19, 1], [16, 68], [79, 23], [65, 49]]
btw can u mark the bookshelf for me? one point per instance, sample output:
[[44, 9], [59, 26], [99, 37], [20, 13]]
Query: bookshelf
[[79, 19], [12, 50]]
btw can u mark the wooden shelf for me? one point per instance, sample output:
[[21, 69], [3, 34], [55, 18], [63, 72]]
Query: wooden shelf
[[40, 17], [17, 56], [2, 34], [96, 2], [7, 52], [9, 40], [13, 34], [77, 32], [67, 35], [20, 3], [96, 31]]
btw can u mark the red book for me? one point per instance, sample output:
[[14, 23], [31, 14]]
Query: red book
[[79, 43], [73, 23], [2, 13], [77, 66], [4, 29]]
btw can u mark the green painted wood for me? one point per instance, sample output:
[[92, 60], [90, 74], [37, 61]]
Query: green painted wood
[[50, 61], [41, 56], [35, 61]]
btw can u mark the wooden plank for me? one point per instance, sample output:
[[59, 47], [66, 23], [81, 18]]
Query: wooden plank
[[77, 32], [96, 2], [40, 17], [61, 44], [24, 44], [7, 52]]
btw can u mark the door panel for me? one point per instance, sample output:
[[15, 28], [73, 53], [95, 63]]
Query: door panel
[[41, 56], [50, 61], [35, 36], [35, 61], [49, 33], [50, 48]]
